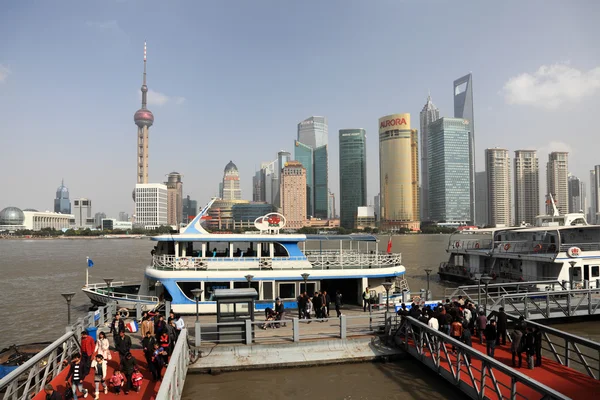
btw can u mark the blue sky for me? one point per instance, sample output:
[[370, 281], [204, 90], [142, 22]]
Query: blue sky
[[231, 79]]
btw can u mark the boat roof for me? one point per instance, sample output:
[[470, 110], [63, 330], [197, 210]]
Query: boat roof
[[556, 228], [355, 238], [256, 237]]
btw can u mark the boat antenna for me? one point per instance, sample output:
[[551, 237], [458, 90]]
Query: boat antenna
[[555, 210]]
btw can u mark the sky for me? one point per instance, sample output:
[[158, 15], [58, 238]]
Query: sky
[[230, 80]]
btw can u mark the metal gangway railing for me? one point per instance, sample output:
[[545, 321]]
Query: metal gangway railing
[[478, 293], [433, 348], [171, 387]]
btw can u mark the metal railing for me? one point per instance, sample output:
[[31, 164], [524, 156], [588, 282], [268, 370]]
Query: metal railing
[[353, 260], [470, 244], [495, 290], [583, 246], [431, 347], [171, 387], [105, 290], [29, 379], [529, 247]]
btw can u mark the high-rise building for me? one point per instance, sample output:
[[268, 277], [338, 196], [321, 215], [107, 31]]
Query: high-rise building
[[557, 171], [396, 175], [143, 119], [463, 108], [257, 186], [230, 189], [98, 217], [449, 166], [527, 186], [576, 194], [123, 216], [428, 114], [353, 174], [594, 213], [151, 205], [414, 163], [332, 210], [270, 182], [62, 204], [190, 209], [481, 202], [174, 199], [282, 158], [82, 210], [293, 194], [377, 207], [312, 151], [497, 168]]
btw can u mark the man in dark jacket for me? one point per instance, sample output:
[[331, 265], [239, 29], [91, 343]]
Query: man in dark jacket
[[301, 305], [537, 334], [51, 394], [338, 303], [123, 344], [529, 347], [515, 347], [491, 334], [127, 366], [502, 326], [117, 325], [317, 304], [76, 375], [467, 338], [148, 346], [327, 302]]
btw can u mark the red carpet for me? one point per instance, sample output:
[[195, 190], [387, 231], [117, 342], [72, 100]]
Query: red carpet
[[148, 391]]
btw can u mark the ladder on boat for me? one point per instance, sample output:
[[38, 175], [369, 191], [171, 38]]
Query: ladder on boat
[[401, 284]]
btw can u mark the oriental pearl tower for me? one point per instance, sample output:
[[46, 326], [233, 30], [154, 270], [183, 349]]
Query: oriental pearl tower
[[143, 119]]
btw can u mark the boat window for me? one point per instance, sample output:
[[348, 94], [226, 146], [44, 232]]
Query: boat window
[[243, 249], [244, 285], [210, 287], [280, 251], [578, 221], [264, 250], [217, 249], [287, 290], [268, 290], [595, 271], [186, 288], [310, 288]]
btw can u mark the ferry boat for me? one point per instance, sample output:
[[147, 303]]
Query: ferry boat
[[558, 246], [276, 264]]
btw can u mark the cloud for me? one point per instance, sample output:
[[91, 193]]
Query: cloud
[[4, 72], [554, 146], [106, 26], [160, 99], [551, 86]]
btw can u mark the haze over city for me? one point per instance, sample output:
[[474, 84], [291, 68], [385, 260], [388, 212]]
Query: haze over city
[[231, 80]]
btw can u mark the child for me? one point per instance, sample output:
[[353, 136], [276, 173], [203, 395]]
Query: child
[[137, 378], [117, 380]]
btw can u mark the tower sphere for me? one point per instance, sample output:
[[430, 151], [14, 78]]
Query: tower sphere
[[11, 216], [143, 117]]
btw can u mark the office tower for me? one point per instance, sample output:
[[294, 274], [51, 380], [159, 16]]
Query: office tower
[[190, 209], [527, 186], [282, 158], [576, 194], [174, 199], [82, 210], [396, 175], [98, 217], [143, 119], [428, 114], [377, 206], [151, 205], [481, 202], [257, 186], [497, 168], [293, 194], [353, 174], [449, 166], [414, 163], [269, 182], [557, 171], [463, 108], [594, 214], [62, 204], [123, 217], [312, 151], [331, 208], [230, 187]]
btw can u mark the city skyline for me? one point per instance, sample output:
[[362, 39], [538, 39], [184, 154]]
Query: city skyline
[[539, 91]]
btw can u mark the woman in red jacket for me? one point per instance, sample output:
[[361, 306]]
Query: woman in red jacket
[[164, 343]]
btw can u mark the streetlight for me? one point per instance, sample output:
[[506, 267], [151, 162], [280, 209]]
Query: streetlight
[[108, 283], [68, 297], [305, 277], [572, 262], [197, 294], [486, 280], [427, 271], [249, 279], [387, 286], [478, 277]]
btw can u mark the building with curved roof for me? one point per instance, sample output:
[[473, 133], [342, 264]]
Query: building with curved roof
[[229, 189], [62, 204], [13, 219]]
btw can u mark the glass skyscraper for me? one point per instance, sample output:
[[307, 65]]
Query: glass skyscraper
[[428, 114], [449, 163], [321, 179], [463, 108], [304, 155], [62, 204], [353, 174]]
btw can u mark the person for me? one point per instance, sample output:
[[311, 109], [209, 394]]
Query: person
[[157, 361], [338, 303], [481, 325], [147, 326], [172, 331], [179, 325], [537, 333], [466, 338], [502, 326], [366, 299], [491, 334], [103, 347], [117, 380], [160, 326], [515, 347], [128, 366], [99, 368], [456, 331], [76, 375], [529, 347], [317, 305], [51, 394], [164, 342], [148, 346], [327, 302], [137, 379], [171, 317], [279, 312], [87, 351], [117, 325], [309, 307], [269, 316], [123, 345], [301, 305]]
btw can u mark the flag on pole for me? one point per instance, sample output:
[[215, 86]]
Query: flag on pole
[[389, 248], [90, 263], [132, 326]]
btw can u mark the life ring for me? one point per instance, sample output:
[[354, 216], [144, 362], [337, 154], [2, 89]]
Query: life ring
[[507, 246], [537, 248], [123, 312], [457, 245], [477, 245]]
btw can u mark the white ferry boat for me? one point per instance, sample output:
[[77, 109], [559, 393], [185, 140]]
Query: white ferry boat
[[558, 246], [275, 264]]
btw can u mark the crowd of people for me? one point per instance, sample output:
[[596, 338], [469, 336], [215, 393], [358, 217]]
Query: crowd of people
[[158, 339], [462, 319]]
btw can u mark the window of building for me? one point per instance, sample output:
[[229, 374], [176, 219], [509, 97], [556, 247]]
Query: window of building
[[287, 290]]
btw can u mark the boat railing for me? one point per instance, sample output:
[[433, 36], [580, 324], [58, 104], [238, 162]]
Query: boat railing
[[470, 244], [582, 246], [354, 260], [112, 293], [530, 247], [496, 290], [171, 386]]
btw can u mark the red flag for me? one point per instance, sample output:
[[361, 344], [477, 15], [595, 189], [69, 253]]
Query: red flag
[[389, 249]]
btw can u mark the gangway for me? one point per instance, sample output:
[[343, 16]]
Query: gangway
[[478, 293]]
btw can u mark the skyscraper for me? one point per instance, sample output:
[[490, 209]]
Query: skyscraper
[[174, 199], [557, 171], [449, 166], [396, 175], [497, 168], [481, 202], [62, 204], [257, 186], [143, 119], [428, 114], [353, 174], [282, 158], [151, 205], [190, 209], [312, 135], [594, 214], [463, 108], [527, 186], [332, 210], [576, 194], [231, 183], [293, 194], [82, 210]]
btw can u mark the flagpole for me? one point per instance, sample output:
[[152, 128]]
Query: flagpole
[[87, 267]]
